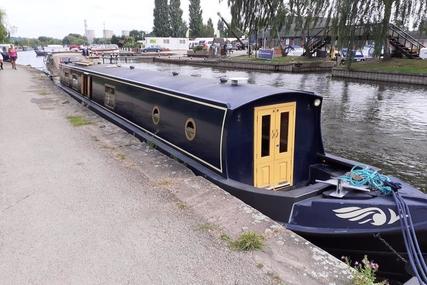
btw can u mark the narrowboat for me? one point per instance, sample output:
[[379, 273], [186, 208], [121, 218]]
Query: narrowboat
[[264, 146]]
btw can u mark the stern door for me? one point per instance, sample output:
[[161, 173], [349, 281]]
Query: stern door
[[274, 132]]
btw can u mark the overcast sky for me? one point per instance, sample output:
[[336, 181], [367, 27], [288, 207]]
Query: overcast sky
[[33, 18]]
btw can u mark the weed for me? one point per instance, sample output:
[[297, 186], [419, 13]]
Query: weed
[[259, 265], [164, 183], [43, 93], [181, 205], [365, 273], [120, 156], [78, 121], [225, 238], [248, 241], [151, 145], [207, 227], [276, 279]]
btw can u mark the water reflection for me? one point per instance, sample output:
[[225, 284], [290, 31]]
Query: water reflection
[[380, 124]]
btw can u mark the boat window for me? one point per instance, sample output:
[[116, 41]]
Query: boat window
[[110, 97], [265, 135], [284, 126], [75, 82], [66, 74], [155, 115], [190, 129]]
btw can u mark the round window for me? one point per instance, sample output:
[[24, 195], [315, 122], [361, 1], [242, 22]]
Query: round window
[[155, 115], [190, 129]]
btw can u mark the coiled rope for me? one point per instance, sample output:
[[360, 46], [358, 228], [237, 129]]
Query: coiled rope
[[365, 176]]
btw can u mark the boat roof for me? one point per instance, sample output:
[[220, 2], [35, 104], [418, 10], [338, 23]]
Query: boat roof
[[204, 89]]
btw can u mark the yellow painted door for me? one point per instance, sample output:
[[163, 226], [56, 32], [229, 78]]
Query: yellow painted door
[[284, 144], [274, 135], [264, 153]]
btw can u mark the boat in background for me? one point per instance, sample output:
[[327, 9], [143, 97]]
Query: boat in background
[[43, 51], [104, 49], [55, 59]]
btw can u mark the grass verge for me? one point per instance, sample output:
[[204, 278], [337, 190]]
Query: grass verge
[[78, 121], [277, 60], [394, 65]]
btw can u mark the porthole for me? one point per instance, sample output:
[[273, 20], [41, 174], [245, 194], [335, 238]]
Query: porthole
[[190, 129], [155, 115]]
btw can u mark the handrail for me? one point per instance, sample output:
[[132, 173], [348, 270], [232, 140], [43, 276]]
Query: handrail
[[400, 31], [314, 40]]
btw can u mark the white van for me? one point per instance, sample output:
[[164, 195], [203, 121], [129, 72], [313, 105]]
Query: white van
[[423, 53]]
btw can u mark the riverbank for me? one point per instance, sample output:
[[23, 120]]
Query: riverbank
[[408, 71], [394, 65], [243, 63], [92, 204]]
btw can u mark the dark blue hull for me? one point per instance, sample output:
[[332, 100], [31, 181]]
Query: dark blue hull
[[392, 265], [366, 226]]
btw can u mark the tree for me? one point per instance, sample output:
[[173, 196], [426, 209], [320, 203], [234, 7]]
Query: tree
[[342, 16], [101, 41], [44, 41], [208, 29], [3, 31], [137, 35], [161, 19], [221, 28], [129, 42], [178, 26], [422, 30], [196, 19], [74, 39]]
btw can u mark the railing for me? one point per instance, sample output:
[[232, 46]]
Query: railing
[[317, 40], [402, 39]]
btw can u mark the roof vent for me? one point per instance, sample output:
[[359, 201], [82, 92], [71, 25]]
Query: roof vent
[[174, 73], [132, 67], [235, 81], [223, 79]]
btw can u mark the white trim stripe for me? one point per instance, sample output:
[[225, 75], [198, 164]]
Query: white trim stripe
[[220, 169], [112, 77]]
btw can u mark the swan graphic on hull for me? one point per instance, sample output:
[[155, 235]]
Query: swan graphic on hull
[[373, 215]]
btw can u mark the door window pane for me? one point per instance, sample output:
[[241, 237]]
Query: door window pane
[[284, 126], [265, 136]]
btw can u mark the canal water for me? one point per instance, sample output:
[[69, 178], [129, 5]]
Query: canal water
[[381, 124], [30, 58]]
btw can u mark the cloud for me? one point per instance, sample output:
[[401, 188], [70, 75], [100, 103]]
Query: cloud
[[59, 18]]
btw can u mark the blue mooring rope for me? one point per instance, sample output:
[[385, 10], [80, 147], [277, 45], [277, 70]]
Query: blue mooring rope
[[365, 176]]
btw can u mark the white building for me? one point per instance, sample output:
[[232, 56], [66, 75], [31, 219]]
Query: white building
[[108, 34], [125, 33], [169, 43], [90, 35]]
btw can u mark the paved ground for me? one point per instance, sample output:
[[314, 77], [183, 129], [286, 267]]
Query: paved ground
[[73, 214]]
